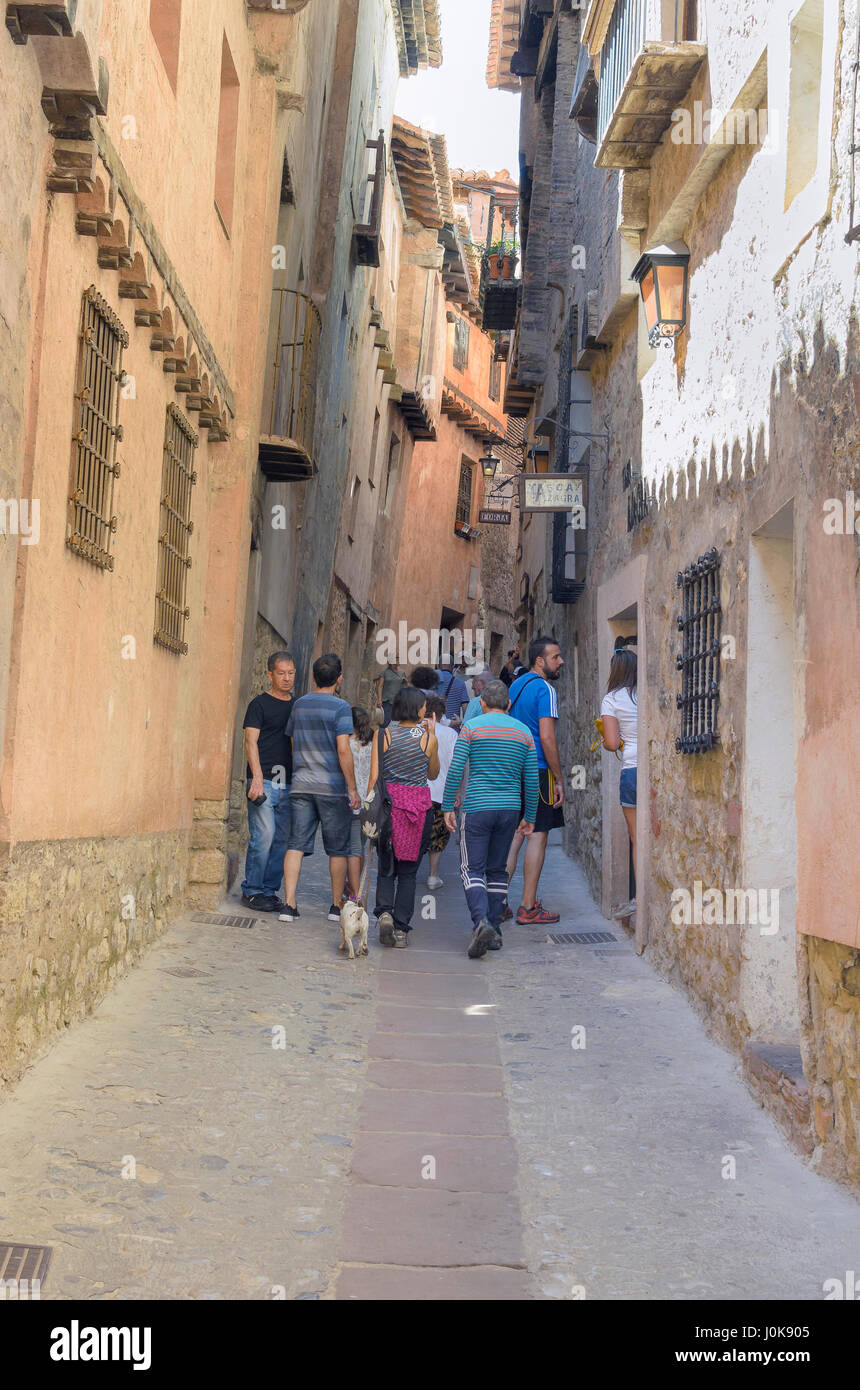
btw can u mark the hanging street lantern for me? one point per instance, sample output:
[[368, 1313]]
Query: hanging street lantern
[[489, 466], [662, 276]]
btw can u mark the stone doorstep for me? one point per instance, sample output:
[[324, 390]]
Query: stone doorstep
[[774, 1073]]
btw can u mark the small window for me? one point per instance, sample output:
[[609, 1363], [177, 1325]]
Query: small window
[[353, 512], [699, 623], [287, 195], [91, 522], [374, 445], [495, 388], [391, 473], [174, 562], [464, 494], [165, 21], [461, 344], [228, 126]]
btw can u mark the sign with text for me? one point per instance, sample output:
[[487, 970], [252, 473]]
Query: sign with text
[[552, 492], [492, 517]]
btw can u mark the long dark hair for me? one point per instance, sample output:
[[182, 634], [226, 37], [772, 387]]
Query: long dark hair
[[361, 723], [622, 672]]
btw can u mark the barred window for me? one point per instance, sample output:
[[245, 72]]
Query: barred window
[[174, 562], [461, 344], [91, 521], [699, 657], [464, 493]]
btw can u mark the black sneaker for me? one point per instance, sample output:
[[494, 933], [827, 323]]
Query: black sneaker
[[334, 913], [260, 903], [481, 938], [289, 914], [496, 943]]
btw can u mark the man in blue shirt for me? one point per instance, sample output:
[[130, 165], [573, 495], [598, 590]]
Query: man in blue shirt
[[535, 703], [323, 789], [452, 689], [473, 709]]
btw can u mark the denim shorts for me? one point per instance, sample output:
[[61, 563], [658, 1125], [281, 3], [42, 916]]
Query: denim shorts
[[628, 786], [331, 812]]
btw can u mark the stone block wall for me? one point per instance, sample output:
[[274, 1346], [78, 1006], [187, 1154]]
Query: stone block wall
[[832, 1055], [76, 914]]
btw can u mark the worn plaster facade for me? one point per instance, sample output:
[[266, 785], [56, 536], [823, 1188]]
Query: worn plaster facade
[[745, 438]]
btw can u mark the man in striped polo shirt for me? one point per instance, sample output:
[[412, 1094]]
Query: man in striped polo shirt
[[503, 777]]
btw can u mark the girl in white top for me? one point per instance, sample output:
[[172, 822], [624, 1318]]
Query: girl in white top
[[620, 715], [361, 743]]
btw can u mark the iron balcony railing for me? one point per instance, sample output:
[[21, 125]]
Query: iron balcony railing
[[624, 38], [294, 370]]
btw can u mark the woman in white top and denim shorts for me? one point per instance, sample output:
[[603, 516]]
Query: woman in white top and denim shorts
[[620, 716]]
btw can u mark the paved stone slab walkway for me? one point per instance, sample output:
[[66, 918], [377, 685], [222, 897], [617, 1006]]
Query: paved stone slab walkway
[[250, 1115]]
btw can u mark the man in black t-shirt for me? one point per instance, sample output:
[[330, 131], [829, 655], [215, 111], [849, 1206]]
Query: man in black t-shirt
[[269, 773]]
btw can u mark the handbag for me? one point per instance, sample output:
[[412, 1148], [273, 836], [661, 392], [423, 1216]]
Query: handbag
[[376, 808]]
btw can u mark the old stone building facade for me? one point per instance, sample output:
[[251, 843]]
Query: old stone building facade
[[725, 127], [454, 569], [164, 178]]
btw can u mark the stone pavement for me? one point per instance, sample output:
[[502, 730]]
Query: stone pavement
[[250, 1115]]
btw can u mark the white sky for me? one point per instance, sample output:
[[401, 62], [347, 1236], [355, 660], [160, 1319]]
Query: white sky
[[481, 126]]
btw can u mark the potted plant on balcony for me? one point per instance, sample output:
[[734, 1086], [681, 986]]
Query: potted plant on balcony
[[501, 260]]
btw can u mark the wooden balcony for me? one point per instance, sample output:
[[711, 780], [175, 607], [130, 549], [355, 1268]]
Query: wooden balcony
[[286, 447], [645, 68]]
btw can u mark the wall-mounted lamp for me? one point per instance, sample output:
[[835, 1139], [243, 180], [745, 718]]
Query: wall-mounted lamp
[[663, 277], [489, 464]]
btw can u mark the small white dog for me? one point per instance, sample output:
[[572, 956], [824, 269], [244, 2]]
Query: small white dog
[[353, 918]]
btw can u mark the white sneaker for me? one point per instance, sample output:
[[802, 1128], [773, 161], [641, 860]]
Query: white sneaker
[[626, 911], [434, 882]]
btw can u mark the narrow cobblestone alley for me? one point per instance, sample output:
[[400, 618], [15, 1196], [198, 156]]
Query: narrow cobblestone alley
[[426, 1130]]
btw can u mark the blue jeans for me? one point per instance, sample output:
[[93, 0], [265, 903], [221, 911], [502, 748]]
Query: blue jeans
[[485, 839], [268, 827]]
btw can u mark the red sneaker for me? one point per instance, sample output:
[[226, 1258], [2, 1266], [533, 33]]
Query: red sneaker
[[535, 916], [507, 914]]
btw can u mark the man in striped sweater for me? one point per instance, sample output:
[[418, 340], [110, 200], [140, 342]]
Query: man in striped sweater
[[503, 779]]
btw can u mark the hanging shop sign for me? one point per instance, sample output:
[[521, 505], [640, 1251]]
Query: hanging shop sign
[[552, 492], [493, 517]]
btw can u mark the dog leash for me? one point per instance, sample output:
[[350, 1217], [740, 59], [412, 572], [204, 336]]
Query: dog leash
[[363, 885]]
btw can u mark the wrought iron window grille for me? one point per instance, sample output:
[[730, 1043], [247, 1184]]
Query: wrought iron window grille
[[638, 501], [464, 497], [91, 520], [177, 479], [461, 344], [699, 623]]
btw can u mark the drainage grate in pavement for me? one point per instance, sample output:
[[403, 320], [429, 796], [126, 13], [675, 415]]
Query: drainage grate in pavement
[[216, 919], [186, 972], [580, 938], [20, 1261]]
